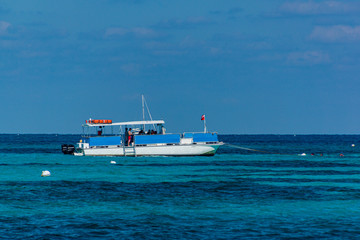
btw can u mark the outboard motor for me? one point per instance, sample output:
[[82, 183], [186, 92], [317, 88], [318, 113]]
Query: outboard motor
[[68, 148]]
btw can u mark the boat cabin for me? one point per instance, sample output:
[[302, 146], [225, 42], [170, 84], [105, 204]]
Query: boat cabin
[[105, 133]]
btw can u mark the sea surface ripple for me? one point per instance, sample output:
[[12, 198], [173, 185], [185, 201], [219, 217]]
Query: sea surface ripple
[[273, 193]]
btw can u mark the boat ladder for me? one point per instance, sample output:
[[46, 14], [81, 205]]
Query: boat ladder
[[129, 151]]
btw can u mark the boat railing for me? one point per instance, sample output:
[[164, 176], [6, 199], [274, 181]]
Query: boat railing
[[102, 135], [144, 139], [192, 133]]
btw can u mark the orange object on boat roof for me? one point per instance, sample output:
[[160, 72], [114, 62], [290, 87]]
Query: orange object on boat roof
[[99, 121]]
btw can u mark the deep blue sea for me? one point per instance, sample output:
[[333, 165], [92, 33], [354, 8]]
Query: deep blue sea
[[273, 193]]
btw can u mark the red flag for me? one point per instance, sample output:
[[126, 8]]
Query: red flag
[[202, 117]]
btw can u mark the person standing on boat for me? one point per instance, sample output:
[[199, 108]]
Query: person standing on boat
[[129, 136], [126, 136]]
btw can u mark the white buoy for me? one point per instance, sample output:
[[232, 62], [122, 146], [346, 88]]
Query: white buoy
[[353, 145], [45, 173], [303, 154], [113, 162]]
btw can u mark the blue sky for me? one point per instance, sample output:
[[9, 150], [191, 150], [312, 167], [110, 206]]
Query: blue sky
[[259, 66]]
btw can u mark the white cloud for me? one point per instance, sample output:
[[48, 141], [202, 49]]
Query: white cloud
[[325, 7], [4, 27], [338, 33], [308, 58]]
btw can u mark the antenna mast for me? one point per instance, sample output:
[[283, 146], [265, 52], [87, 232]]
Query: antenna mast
[[144, 104], [143, 109]]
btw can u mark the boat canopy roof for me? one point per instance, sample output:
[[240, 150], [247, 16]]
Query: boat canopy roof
[[125, 123]]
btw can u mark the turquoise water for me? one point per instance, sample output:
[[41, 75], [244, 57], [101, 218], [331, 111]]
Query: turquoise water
[[275, 194]]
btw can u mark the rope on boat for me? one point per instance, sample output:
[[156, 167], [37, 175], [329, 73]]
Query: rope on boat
[[255, 150], [248, 149]]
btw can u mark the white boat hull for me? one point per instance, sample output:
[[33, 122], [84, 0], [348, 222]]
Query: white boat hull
[[162, 150]]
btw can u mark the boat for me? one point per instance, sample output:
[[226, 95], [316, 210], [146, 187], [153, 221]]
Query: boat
[[141, 138]]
